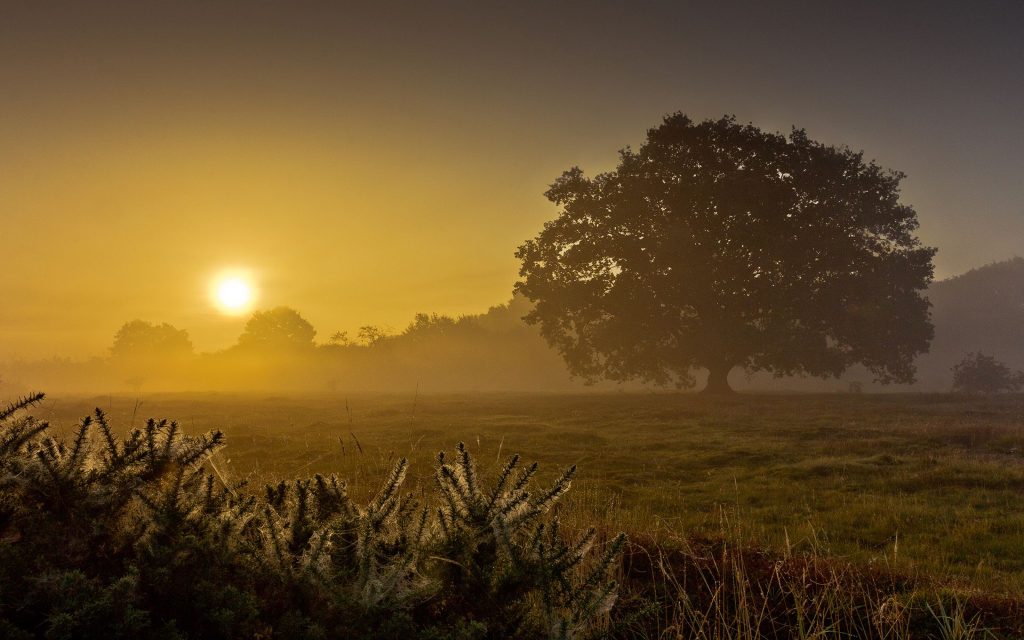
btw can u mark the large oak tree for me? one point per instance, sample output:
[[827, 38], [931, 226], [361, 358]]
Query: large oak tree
[[718, 245]]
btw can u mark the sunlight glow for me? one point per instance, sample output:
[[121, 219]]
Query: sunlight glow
[[233, 294]]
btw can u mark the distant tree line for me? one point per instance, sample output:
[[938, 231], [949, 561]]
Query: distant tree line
[[980, 312], [279, 348]]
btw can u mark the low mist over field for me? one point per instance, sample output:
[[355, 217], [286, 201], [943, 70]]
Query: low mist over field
[[479, 320], [979, 311]]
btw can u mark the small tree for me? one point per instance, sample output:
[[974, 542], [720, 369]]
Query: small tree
[[718, 245], [980, 373], [371, 334], [339, 339], [141, 339], [430, 324], [141, 348], [278, 328]]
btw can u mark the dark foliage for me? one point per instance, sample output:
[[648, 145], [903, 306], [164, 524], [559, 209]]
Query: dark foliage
[[978, 311], [141, 339], [278, 328], [718, 245], [134, 537], [980, 373]]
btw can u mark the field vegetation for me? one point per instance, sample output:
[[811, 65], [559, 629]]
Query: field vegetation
[[881, 515]]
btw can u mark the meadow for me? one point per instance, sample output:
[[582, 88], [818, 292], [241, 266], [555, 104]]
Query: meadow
[[929, 485], [909, 492]]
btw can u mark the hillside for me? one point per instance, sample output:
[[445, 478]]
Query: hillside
[[981, 310]]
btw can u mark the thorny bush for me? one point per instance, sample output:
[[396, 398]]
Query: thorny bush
[[137, 537]]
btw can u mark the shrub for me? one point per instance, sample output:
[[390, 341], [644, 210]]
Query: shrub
[[980, 373], [136, 538]]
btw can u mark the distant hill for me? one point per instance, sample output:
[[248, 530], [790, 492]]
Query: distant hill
[[981, 310]]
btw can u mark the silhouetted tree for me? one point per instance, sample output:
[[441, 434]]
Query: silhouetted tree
[[430, 324], [718, 245], [141, 339], [371, 335], [980, 373], [339, 338], [278, 328]]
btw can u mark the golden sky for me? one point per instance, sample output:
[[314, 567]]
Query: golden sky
[[368, 164]]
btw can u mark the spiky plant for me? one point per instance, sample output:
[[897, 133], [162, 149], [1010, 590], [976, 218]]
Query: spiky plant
[[502, 554], [130, 527], [140, 537], [311, 530]]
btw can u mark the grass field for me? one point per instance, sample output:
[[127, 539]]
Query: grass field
[[924, 484]]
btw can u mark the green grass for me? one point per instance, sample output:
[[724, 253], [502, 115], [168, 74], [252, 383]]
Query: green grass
[[922, 484]]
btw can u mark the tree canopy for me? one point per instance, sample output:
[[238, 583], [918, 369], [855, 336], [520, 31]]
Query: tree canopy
[[717, 245], [981, 373], [278, 328], [141, 339]]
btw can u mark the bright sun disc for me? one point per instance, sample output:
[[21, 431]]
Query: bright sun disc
[[233, 294]]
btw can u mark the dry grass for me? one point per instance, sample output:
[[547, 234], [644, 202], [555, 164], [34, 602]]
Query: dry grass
[[827, 516]]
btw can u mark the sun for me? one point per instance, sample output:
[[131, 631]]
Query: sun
[[233, 294]]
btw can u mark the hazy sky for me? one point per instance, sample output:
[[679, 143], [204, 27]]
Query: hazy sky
[[370, 161]]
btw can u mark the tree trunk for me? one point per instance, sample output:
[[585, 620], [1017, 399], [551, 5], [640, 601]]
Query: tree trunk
[[718, 380]]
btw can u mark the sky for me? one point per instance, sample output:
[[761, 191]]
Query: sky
[[365, 162]]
